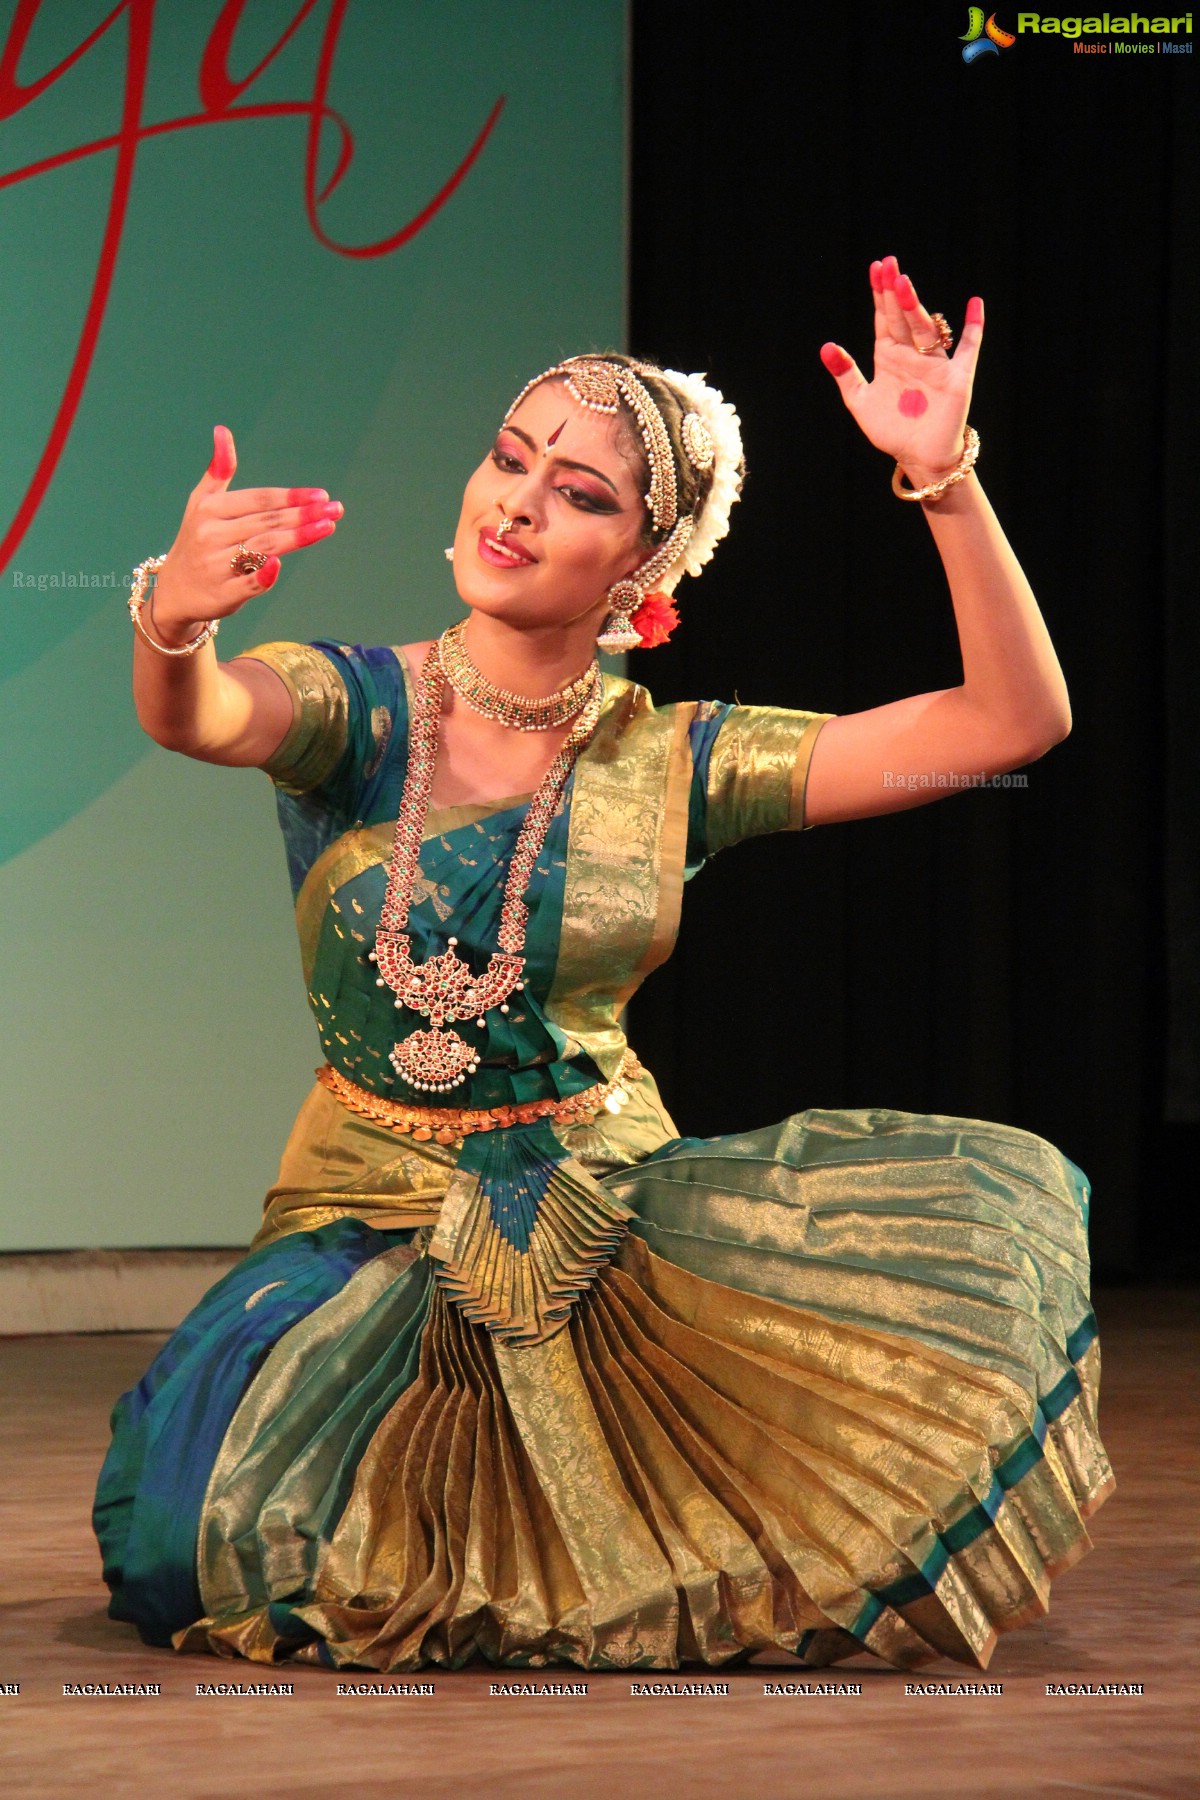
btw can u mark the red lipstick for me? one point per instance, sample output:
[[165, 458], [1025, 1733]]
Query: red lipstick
[[503, 553]]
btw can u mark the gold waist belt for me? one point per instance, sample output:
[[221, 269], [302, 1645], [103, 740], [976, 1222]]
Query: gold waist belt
[[450, 1124]]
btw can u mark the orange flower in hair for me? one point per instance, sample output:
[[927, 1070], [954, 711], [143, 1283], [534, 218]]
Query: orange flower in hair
[[655, 620]]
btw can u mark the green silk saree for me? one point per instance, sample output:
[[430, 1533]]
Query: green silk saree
[[593, 1393]]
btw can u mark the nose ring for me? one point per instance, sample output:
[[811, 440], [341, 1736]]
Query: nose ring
[[506, 525]]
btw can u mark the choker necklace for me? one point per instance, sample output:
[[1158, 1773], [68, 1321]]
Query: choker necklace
[[519, 711], [443, 989]]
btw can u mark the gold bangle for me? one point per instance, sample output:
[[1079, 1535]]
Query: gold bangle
[[936, 489], [137, 600]]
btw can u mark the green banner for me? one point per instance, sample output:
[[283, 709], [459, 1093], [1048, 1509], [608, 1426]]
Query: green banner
[[348, 229]]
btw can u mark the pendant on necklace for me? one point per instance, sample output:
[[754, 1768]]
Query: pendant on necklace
[[433, 1062], [443, 988]]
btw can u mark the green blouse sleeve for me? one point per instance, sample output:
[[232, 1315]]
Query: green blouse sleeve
[[757, 771], [348, 704]]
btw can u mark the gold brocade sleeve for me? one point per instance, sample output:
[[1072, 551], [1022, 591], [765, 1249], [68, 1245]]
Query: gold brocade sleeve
[[316, 739], [758, 772]]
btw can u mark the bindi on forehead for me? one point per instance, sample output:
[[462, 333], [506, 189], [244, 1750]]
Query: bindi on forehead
[[555, 435]]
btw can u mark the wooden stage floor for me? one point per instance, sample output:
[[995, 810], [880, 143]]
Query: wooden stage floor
[[1127, 1613]]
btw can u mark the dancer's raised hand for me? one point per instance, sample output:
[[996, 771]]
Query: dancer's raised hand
[[198, 580], [915, 407]]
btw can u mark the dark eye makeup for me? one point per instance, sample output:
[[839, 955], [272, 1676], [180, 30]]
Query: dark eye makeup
[[581, 497], [509, 463]]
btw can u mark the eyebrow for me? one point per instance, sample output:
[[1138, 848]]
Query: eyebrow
[[584, 468]]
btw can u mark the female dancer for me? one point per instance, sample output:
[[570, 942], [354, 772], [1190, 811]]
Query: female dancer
[[512, 1370]]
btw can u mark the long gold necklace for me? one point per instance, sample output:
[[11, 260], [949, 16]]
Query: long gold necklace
[[443, 989], [516, 710]]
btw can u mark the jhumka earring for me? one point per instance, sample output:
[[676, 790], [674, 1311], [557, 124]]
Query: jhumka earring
[[620, 633]]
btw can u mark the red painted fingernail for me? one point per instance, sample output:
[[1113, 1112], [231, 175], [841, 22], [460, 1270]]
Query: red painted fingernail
[[889, 271], [298, 496], [877, 277], [835, 359], [269, 572], [222, 457], [975, 310], [906, 293], [334, 509]]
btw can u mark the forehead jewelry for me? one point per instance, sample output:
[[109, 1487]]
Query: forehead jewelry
[[601, 387]]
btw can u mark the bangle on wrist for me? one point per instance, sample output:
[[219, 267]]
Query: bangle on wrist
[[137, 600], [936, 489]]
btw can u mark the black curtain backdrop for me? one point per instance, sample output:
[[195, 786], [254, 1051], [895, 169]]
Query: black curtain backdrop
[[1024, 955]]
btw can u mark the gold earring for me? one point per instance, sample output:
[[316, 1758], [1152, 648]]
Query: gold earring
[[620, 633]]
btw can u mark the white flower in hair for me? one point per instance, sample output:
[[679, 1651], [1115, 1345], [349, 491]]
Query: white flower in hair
[[725, 429]]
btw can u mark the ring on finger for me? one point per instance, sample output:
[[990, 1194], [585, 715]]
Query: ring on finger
[[945, 337], [246, 562]]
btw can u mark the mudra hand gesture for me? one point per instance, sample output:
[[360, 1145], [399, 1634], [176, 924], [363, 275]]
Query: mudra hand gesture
[[198, 581], [915, 408]]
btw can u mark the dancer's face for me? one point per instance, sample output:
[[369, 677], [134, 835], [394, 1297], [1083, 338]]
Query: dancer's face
[[564, 474]]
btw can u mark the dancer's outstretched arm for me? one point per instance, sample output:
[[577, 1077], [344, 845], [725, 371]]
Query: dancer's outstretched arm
[[1012, 705], [234, 713]]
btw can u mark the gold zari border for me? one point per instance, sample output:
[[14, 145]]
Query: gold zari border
[[625, 852], [315, 740], [757, 773], [799, 784]]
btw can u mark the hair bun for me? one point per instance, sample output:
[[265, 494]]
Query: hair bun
[[718, 429]]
